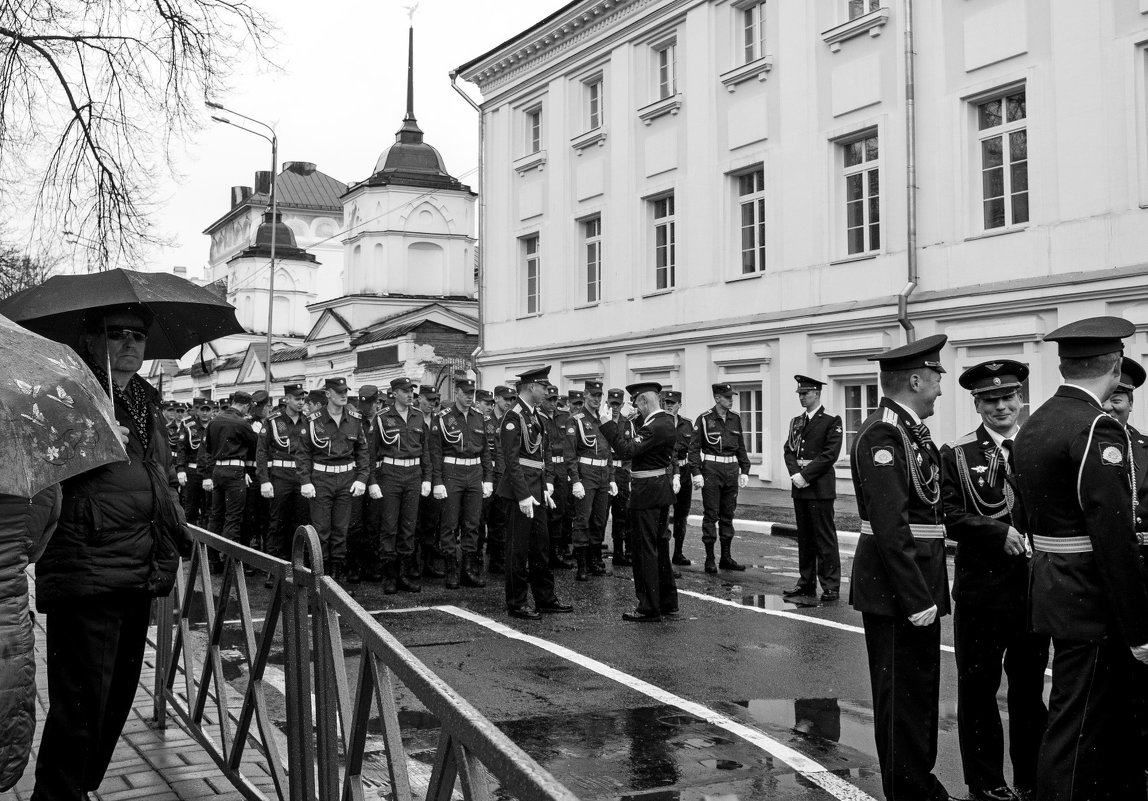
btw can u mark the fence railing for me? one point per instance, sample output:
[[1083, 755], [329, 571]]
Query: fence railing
[[320, 751]]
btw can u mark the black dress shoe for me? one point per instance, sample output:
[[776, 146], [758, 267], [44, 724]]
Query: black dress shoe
[[523, 613], [680, 559], [671, 614], [1002, 793], [555, 607], [639, 617], [677, 574], [800, 589], [830, 595]]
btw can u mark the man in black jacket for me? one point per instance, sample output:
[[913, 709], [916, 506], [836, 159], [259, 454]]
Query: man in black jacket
[[227, 448]]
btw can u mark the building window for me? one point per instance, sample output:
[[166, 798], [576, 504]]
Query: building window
[[665, 70], [862, 195], [592, 237], [1003, 138], [860, 401], [753, 32], [751, 202], [531, 264], [665, 258], [748, 405], [859, 8], [534, 130], [594, 104]]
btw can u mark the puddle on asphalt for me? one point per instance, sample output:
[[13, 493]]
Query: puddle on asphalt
[[776, 602]]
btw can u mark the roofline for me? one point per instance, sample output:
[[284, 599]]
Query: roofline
[[247, 204], [520, 35]]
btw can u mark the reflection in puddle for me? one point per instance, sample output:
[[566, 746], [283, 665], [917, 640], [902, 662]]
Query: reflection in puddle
[[776, 602], [722, 764]]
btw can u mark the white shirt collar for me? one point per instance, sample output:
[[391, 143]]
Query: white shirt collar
[[810, 415], [1087, 392], [998, 439]]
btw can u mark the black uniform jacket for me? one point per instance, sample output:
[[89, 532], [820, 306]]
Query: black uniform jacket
[[461, 434], [525, 454], [898, 485], [393, 437], [979, 509], [329, 444], [685, 432], [817, 443], [190, 441], [650, 449], [1073, 472], [229, 437], [717, 437], [584, 440], [1140, 459], [278, 442]]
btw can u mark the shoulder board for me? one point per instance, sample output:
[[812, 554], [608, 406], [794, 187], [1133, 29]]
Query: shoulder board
[[889, 416], [274, 415], [735, 414], [968, 439], [314, 415], [442, 412], [354, 413], [578, 415], [706, 413]]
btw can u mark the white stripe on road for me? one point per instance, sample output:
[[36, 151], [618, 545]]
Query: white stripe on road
[[811, 770]]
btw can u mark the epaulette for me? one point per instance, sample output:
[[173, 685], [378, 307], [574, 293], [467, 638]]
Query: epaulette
[[354, 413], [443, 412], [968, 439], [889, 416], [706, 413], [314, 415], [578, 415], [274, 415]]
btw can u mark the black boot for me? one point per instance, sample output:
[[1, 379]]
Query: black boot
[[711, 565], [430, 569], [451, 578], [408, 579], [727, 562], [621, 558], [469, 577], [390, 573], [580, 561], [374, 573], [594, 557], [354, 574], [679, 558], [494, 562], [558, 560]]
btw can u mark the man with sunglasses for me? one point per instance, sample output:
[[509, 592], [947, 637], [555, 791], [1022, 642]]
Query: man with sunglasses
[[195, 502]]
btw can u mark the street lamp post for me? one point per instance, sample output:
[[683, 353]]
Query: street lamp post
[[272, 204]]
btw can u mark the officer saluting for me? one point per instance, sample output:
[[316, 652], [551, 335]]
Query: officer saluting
[[810, 450], [1076, 480], [990, 590], [720, 466], [900, 585]]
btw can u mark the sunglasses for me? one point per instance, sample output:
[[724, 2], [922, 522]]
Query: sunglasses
[[120, 334]]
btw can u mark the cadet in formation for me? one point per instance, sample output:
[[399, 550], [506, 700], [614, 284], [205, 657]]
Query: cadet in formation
[[591, 473], [720, 466]]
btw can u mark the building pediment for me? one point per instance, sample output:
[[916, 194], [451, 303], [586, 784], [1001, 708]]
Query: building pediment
[[329, 324]]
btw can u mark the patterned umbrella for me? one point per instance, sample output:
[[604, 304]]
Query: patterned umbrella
[[55, 420]]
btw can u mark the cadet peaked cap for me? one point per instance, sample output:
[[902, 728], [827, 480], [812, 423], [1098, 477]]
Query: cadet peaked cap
[[922, 353], [804, 382], [402, 382], [503, 391], [368, 393], [338, 384], [535, 375], [551, 391], [1132, 376], [170, 405], [260, 396], [576, 396], [615, 394], [723, 389], [238, 398], [483, 395], [465, 384], [200, 403], [429, 393], [593, 387], [1093, 336], [639, 387], [994, 379], [294, 390], [316, 396], [672, 396]]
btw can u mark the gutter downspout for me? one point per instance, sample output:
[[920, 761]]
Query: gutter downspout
[[910, 178], [477, 352]]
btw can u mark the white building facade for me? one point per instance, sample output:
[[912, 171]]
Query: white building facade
[[693, 191]]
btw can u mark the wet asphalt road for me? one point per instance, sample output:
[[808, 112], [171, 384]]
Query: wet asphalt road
[[708, 706]]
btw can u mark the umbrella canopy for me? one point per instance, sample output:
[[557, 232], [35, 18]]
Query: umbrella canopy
[[55, 419], [184, 315]]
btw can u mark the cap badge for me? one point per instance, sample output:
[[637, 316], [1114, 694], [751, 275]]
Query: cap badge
[[993, 367], [996, 382]]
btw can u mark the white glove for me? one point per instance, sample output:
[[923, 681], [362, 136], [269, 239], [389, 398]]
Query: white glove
[[425, 490], [527, 506], [578, 490], [208, 485], [357, 489], [487, 489], [549, 488], [267, 489], [799, 481], [628, 411], [307, 491], [376, 493], [925, 618], [440, 492], [246, 480], [181, 477], [1141, 653], [613, 489], [548, 496], [743, 480], [699, 482], [677, 483]]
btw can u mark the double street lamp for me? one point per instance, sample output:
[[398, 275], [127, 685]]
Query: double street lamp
[[272, 204]]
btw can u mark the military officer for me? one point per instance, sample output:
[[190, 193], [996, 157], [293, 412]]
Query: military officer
[[654, 477], [619, 503], [316, 400], [173, 425], [1076, 479], [558, 518], [462, 476], [228, 445], [402, 476], [528, 483], [990, 591], [255, 510], [429, 523], [684, 495], [484, 403], [363, 527], [591, 472], [498, 511], [899, 584], [276, 470], [810, 451], [719, 466], [196, 504], [1119, 407], [333, 463]]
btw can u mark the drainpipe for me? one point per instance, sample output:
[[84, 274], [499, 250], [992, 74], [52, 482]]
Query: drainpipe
[[910, 178], [481, 223]]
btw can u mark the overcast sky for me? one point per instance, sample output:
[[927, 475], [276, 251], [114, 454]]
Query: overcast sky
[[339, 99]]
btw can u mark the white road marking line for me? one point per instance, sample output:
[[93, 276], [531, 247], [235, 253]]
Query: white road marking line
[[811, 770], [404, 610]]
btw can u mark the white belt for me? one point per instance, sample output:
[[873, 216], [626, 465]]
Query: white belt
[[333, 468], [921, 531], [592, 462], [1142, 538], [1062, 544], [532, 463], [683, 462], [648, 473], [399, 462], [230, 463], [709, 457], [281, 463], [192, 465], [463, 462], [557, 459], [804, 462], [250, 463]]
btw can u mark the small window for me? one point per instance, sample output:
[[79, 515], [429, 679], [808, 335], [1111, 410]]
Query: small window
[[592, 243], [860, 401], [594, 104], [1002, 134], [859, 8], [753, 32], [665, 70], [751, 220], [862, 176], [534, 130], [749, 406], [531, 279], [665, 235]]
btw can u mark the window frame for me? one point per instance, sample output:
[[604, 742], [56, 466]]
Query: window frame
[[866, 168], [668, 222], [1003, 131], [750, 15], [861, 382], [753, 420], [867, 7], [532, 134], [594, 96], [531, 263], [756, 200], [591, 242], [665, 50]]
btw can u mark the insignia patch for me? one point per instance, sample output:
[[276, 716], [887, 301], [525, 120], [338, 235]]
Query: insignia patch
[[994, 367], [570, 430], [882, 457], [510, 426], [1111, 455], [838, 429], [979, 469], [996, 382]]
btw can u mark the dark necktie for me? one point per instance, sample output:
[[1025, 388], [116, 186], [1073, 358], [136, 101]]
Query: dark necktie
[[921, 432], [1006, 446]]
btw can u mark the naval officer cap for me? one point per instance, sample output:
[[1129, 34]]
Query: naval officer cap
[[294, 390], [804, 383], [201, 403], [576, 396], [723, 389], [338, 384], [1093, 336], [672, 396], [639, 387], [535, 375], [922, 353], [1132, 376], [503, 392], [615, 395], [551, 390], [593, 387], [994, 379]]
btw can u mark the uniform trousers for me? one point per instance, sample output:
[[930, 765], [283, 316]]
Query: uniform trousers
[[558, 518], [817, 553], [428, 526], [620, 509], [255, 517], [1089, 751], [653, 573], [196, 503], [228, 500], [589, 527], [399, 508], [984, 636], [363, 532], [719, 500], [528, 558], [331, 511], [95, 653], [287, 510], [492, 529], [461, 510], [682, 502], [905, 676]]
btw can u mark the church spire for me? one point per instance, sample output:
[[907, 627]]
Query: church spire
[[410, 132]]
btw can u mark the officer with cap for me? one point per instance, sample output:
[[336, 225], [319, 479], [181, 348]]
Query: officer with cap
[[333, 465], [1075, 477], [528, 483], [402, 475], [362, 530], [428, 525], [484, 403], [277, 474], [316, 400], [654, 477], [810, 451], [684, 431], [900, 583], [1119, 407], [255, 511], [196, 503], [497, 511], [558, 518], [990, 590], [620, 501], [462, 476], [591, 471], [719, 466], [228, 445], [173, 425]]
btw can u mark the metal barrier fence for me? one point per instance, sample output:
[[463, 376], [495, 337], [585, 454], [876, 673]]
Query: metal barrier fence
[[327, 717]]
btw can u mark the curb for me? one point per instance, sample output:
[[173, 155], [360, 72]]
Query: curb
[[789, 531]]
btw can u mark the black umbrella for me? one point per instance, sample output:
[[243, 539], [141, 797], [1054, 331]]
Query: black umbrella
[[184, 315]]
